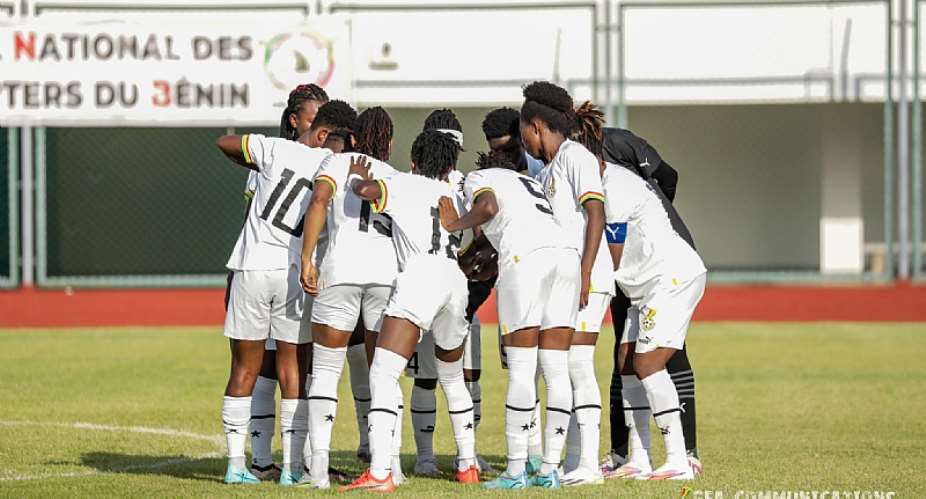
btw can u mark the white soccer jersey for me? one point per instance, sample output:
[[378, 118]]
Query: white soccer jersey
[[652, 249], [360, 249], [412, 200], [271, 238], [456, 179], [571, 179], [524, 221]]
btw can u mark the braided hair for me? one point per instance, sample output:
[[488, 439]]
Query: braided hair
[[373, 131], [495, 159], [589, 120], [299, 96], [434, 154], [500, 122], [551, 104], [442, 119], [333, 115]]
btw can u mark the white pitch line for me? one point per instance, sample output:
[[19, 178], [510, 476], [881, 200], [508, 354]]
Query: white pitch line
[[214, 439]]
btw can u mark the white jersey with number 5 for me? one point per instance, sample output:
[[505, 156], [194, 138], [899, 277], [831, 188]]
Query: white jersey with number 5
[[412, 200], [524, 221], [271, 238], [360, 249]]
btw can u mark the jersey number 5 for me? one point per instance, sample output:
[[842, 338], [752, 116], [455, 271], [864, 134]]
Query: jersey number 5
[[285, 178], [365, 214], [452, 245], [531, 186]]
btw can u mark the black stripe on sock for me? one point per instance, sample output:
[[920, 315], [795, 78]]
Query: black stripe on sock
[[319, 397], [519, 409], [390, 411], [362, 400], [477, 401], [461, 412], [264, 416], [555, 409], [416, 411], [657, 414], [588, 406], [226, 423], [641, 408], [401, 406]]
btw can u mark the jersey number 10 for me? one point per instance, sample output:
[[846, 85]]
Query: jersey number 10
[[285, 178]]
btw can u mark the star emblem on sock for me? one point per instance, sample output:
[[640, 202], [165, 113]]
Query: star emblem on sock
[[560, 430], [469, 426], [329, 418], [533, 423], [525, 427], [255, 434]]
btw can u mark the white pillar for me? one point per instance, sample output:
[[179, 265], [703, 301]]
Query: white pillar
[[841, 226]]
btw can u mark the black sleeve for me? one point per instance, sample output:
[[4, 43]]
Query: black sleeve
[[623, 147], [667, 178]]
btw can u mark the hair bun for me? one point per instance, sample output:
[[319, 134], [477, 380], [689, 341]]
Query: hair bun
[[550, 95]]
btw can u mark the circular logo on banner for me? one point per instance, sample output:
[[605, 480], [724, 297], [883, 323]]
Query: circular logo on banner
[[292, 59]]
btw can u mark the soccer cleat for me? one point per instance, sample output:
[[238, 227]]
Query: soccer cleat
[[695, 464], [484, 466], [532, 466], [582, 476], [548, 481], [468, 476], [611, 463], [269, 473], [235, 476], [309, 483], [671, 471], [363, 453], [288, 478], [506, 481], [398, 477], [632, 470], [368, 483], [427, 467]]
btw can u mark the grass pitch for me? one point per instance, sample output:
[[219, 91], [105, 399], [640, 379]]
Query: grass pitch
[[135, 412]]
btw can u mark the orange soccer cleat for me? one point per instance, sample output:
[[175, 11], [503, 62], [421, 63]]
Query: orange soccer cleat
[[469, 475], [370, 484]]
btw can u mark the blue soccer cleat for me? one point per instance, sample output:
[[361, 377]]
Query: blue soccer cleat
[[532, 467], [288, 478], [235, 475], [506, 481], [548, 481]]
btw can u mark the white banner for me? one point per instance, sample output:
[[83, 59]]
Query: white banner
[[166, 71]]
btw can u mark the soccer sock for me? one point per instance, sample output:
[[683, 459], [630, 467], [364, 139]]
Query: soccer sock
[[555, 366], [460, 407], [397, 436], [293, 428], [573, 445], [519, 404], [327, 364], [424, 416], [683, 377], [385, 391], [535, 437], [663, 401], [360, 388], [587, 402], [263, 420], [475, 393], [620, 305], [636, 406], [307, 446], [236, 412]]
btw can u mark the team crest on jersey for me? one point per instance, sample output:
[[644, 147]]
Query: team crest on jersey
[[551, 191], [647, 318]]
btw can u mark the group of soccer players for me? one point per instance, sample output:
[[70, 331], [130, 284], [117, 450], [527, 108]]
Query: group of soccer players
[[344, 258]]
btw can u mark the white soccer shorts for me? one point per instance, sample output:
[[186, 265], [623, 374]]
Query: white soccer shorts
[[431, 293], [340, 306], [268, 304], [472, 347], [590, 318], [661, 318], [540, 289]]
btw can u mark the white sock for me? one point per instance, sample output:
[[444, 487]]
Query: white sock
[[263, 420], [573, 445], [636, 416], [307, 445], [424, 417], [236, 413], [327, 364], [385, 391], [520, 403], [555, 366], [535, 439], [475, 393], [663, 401], [294, 425], [586, 402], [360, 388], [397, 436], [460, 407]]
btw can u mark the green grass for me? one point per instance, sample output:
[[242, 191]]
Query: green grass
[[780, 407]]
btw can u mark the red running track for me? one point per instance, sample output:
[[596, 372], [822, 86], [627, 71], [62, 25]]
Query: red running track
[[203, 307]]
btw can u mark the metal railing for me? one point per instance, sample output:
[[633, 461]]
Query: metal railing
[[11, 279]]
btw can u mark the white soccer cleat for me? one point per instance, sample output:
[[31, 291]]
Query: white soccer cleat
[[639, 471], [695, 464], [671, 471], [398, 477], [611, 463], [427, 467], [582, 476]]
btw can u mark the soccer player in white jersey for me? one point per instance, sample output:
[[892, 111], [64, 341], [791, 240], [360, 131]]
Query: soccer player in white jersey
[[572, 182], [664, 278], [266, 300], [430, 294], [538, 297], [346, 288]]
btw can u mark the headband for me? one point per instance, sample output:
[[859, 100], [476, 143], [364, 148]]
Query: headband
[[456, 134]]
